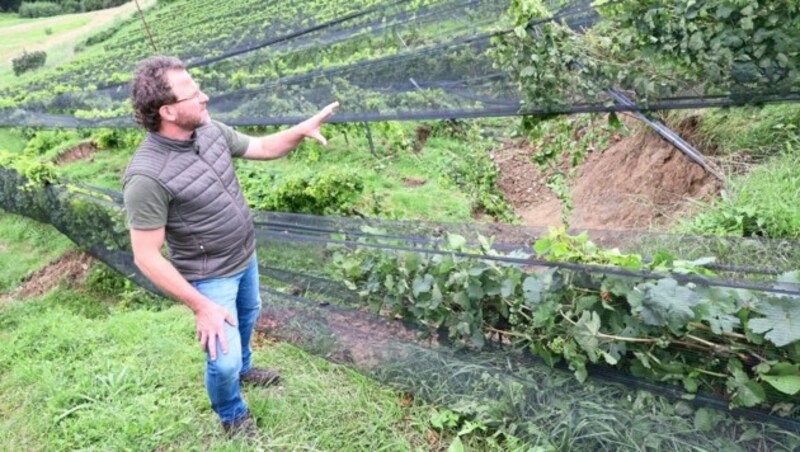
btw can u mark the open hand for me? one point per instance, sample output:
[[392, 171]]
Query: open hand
[[210, 323], [310, 126]]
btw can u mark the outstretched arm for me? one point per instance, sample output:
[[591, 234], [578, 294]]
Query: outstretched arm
[[279, 144], [209, 317]]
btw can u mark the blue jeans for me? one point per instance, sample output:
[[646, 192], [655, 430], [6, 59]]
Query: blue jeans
[[239, 294]]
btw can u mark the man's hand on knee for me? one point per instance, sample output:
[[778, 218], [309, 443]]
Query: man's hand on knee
[[210, 322]]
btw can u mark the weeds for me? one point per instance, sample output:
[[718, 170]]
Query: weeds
[[761, 203]]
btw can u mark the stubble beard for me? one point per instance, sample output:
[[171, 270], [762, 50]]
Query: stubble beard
[[192, 124]]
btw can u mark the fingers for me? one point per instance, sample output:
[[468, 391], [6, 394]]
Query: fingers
[[209, 346], [212, 329], [223, 343], [318, 136], [209, 343], [331, 108], [229, 318], [327, 112]]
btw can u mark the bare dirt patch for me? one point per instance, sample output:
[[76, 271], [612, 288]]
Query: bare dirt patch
[[639, 182], [413, 182], [522, 181], [422, 132], [72, 266], [78, 152]]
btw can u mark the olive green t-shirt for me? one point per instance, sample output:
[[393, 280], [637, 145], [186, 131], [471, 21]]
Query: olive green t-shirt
[[147, 202]]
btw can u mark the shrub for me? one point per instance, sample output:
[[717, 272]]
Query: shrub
[[29, 61], [97, 38], [46, 140], [40, 9], [71, 6], [10, 6], [94, 5], [116, 138], [329, 192], [91, 5]]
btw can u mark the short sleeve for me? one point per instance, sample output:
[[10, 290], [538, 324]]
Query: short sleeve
[[237, 142], [146, 203]]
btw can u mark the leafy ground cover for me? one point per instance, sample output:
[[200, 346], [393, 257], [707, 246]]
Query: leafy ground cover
[[12, 140]]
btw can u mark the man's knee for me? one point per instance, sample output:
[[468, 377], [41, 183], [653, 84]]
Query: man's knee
[[227, 366]]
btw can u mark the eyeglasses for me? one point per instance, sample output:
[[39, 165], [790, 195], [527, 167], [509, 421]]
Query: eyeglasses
[[193, 96]]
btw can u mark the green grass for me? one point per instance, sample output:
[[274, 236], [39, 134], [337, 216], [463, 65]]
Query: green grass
[[757, 131], [11, 140], [77, 373], [104, 169], [26, 245], [759, 196], [760, 203], [14, 43], [36, 35], [7, 19]]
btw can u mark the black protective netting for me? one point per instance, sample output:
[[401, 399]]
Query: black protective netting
[[437, 59], [365, 293], [515, 393]]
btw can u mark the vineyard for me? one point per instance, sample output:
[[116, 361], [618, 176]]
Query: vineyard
[[437, 59], [370, 252]]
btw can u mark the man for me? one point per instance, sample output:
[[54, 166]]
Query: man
[[180, 186]]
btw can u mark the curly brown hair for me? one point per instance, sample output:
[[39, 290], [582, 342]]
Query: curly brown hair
[[150, 89]]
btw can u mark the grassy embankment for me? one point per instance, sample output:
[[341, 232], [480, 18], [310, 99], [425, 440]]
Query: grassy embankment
[[760, 148]]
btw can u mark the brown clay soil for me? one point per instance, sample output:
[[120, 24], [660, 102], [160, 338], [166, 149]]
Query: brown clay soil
[[639, 182], [78, 152], [72, 266]]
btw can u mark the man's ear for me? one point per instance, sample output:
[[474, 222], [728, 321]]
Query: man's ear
[[167, 113]]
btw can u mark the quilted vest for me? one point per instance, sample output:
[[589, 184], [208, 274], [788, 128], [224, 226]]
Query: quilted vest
[[209, 228]]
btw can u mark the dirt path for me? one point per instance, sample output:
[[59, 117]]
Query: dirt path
[[98, 20]]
